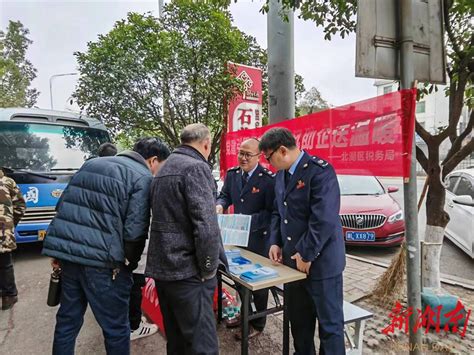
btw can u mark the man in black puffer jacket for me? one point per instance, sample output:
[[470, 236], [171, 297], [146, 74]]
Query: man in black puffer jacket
[[97, 238]]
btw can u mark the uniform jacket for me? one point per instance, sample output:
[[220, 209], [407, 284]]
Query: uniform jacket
[[105, 205], [255, 199], [306, 218], [185, 240], [12, 209]]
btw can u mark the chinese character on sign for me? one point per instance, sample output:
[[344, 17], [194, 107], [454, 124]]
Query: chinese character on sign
[[245, 117], [233, 147], [352, 156], [386, 129], [32, 195], [360, 156], [379, 155], [369, 155], [308, 140], [339, 136], [345, 156], [360, 134], [323, 138], [390, 154]]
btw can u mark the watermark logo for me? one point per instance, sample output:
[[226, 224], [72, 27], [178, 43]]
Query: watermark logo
[[455, 320]]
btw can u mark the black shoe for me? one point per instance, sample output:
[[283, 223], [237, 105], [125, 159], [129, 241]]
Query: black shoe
[[8, 302]]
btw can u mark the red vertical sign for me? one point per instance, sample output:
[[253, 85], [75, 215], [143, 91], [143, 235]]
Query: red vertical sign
[[245, 110]]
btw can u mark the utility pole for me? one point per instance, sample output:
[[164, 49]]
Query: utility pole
[[405, 17], [160, 8], [281, 63]]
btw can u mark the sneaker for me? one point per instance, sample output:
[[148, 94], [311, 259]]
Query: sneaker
[[145, 329]]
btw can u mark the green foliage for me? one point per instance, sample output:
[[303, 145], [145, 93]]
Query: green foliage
[[151, 76], [334, 16], [158, 75], [16, 72]]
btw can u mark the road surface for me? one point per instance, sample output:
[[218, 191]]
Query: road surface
[[453, 261]]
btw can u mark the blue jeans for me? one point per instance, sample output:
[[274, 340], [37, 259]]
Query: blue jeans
[[108, 299]]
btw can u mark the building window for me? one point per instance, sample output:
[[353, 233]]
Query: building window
[[387, 89], [420, 107]]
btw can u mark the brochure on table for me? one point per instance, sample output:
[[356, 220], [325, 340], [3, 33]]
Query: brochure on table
[[246, 270], [235, 229]]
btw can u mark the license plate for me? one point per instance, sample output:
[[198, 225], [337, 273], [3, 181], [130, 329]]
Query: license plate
[[41, 234], [360, 236]]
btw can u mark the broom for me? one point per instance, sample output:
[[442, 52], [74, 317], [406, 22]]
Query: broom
[[391, 285]]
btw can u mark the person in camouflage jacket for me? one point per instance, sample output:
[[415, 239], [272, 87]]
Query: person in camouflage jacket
[[12, 209]]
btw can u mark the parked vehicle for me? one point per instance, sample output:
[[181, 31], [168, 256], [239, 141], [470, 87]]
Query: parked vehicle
[[460, 206], [41, 150], [369, 214]]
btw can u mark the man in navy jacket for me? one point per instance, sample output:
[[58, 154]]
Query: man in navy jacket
[[249, 187], [306, 235], [97, 238]]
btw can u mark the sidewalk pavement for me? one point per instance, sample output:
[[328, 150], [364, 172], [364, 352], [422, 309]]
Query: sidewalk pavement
[[359, 279], [23, 331]]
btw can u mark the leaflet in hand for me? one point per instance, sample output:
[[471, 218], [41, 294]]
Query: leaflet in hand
[[259, 274], [234, 228]]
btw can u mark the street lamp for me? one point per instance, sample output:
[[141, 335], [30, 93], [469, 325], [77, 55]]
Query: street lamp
[[51, 84]]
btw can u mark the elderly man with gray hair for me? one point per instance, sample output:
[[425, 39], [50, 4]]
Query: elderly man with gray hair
[[185, 244]]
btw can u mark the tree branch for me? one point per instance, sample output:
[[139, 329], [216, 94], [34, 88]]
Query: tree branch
[[455, 108], [458, 157], [422, 159], [456, 145], [422, 132], [447, 25]]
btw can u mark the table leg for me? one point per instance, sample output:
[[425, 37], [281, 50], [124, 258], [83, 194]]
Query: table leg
[[286, 322], [219, 297], [244, 325]]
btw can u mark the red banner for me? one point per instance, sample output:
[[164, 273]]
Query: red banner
[[245, 110], [370, 137]]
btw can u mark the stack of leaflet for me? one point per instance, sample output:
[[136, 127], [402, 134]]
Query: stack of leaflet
[[242, 267], [259, 274]]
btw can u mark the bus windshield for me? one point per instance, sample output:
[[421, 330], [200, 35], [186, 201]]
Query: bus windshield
[[43, 147]]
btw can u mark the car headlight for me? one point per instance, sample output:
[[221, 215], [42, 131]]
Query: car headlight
[[397, 216]]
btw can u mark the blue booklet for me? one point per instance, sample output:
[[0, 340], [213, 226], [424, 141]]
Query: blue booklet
[[259, 274], [240, 269]]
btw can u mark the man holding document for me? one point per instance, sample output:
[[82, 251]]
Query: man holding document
[[250, 189]]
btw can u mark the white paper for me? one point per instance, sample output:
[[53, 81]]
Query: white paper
[[235, 229]]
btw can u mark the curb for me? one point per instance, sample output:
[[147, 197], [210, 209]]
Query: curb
[[447, 279]]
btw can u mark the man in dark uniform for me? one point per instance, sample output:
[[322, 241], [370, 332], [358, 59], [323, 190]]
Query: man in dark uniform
[[250, 188], [306, 234]]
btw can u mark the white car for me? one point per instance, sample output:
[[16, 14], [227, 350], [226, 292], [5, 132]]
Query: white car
[[460, 206]]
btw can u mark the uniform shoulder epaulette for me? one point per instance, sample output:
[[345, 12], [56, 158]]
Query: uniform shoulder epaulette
[[320, 162], [267, 172], [235, 168]]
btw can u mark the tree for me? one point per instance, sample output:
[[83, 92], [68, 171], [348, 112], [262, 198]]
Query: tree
[[312, 101], [178, 61], [338, 17], [16, 72]]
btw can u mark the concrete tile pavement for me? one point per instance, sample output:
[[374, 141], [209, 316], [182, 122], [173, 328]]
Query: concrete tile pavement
[[28, 328]]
